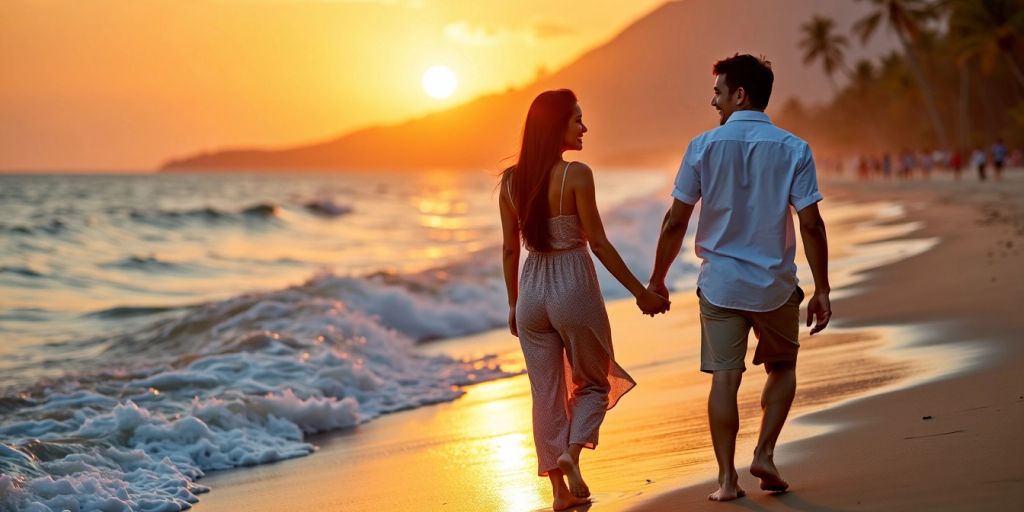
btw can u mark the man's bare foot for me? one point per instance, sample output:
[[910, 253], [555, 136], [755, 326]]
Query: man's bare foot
[[727, 492], [571, 469], [568, 501], [764, 468]]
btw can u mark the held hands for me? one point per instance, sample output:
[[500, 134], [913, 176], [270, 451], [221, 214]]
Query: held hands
[[820, 307], [658, 288], [654, 300]]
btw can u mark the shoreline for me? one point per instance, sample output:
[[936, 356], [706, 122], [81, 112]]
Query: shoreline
[[340, 453], [947, 443]]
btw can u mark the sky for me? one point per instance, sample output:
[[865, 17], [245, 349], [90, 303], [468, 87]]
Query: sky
[[118, 85]]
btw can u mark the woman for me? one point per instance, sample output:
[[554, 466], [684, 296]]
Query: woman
[[556, 308], [979, 159]]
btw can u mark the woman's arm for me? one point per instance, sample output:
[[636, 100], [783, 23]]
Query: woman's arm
[[510, 253], [583, 188]]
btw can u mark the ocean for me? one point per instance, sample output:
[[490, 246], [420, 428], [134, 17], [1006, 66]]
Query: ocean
[[161, 326]]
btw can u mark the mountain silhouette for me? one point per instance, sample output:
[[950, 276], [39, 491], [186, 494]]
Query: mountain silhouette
[[645, 94]]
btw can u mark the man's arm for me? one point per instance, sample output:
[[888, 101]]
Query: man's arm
[[673, 230], [812, 232]]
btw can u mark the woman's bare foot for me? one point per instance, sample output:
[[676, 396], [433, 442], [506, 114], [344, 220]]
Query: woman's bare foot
[[571, 468], [563, 499], [764, 468], [568, 501]]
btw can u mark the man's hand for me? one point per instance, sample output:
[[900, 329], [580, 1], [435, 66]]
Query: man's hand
[[658, 288], [819, 307], [651, 303], [512, 321], [660, 291]]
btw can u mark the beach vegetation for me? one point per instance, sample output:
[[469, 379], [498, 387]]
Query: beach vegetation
[[959, 65]]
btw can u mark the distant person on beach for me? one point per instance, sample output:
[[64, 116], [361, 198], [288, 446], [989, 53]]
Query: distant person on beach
[[999, 158], [940, 158], [926, 164], [555, 307], [979, 160], [956, 163], [906, 164], [862, 168], [747, 174]]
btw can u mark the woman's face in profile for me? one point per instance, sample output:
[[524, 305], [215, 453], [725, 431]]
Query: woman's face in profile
[[574, 132]]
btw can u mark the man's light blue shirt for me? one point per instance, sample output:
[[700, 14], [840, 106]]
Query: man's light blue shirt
[[747, 173]]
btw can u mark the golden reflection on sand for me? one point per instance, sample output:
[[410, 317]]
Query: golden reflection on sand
[[502, 428]]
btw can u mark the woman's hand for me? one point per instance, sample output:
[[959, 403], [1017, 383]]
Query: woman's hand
[[651, 303], [512, 321]]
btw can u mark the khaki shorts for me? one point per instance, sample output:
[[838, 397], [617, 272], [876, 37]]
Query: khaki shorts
[[723, 334]]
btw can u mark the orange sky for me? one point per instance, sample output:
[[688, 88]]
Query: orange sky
[[125, 84]]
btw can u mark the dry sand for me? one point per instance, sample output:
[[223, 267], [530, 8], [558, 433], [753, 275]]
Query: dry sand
[[935, 332]]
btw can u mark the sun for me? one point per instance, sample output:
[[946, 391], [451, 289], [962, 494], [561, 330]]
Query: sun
[[439, 82]]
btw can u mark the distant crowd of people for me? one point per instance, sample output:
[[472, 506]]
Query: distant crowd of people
[[908, 164]]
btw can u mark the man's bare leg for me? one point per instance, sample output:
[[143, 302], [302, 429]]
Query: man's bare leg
[[779, 389], [724, 419], [563, 499], [569, 463]]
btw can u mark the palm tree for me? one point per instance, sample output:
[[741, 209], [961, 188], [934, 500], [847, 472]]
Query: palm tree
[[987, 29], [905, 17], [820, 43], [863, 73], [862, 77]]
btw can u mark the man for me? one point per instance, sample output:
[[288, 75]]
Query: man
[[747, 173], [999, 157]]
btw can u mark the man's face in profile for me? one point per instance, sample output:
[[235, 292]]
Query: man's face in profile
[[723, 100]]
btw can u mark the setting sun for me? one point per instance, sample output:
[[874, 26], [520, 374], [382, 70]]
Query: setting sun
[[439, 82]]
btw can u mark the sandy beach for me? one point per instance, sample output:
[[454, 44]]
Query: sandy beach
[[913, 399], [954, 442]]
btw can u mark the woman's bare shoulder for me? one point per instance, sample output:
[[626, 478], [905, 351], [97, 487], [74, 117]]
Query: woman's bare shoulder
[[579, 173]]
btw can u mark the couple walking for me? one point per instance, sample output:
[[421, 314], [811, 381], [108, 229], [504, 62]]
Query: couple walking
[[746, 174]]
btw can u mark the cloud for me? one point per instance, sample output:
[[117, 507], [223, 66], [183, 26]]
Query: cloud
[[464, 32], [476, 35], [549, 30], [414, 4]]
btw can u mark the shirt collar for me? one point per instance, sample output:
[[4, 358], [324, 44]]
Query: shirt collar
[[748, 115]]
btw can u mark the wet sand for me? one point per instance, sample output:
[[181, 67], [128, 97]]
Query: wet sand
[[920, 330], [950, 443]]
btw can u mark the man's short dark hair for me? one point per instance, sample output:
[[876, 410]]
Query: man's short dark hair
[[751, 73]]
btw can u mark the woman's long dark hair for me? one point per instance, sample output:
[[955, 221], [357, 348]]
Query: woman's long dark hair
[[546, 123]]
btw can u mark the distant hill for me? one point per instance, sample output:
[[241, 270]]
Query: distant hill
[[645, 94]]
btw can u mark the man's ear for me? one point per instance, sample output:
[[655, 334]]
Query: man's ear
[[741, 96]]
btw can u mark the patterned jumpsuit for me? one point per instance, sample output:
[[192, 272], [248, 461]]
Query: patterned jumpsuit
[[566, 341]]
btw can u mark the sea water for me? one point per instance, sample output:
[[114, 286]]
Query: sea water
[[158, 326]]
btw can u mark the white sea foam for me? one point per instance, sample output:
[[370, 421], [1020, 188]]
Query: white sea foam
[[270, 369]]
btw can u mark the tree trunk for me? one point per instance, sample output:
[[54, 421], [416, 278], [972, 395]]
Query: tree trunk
[[965, 119], [926, 91], [1014, 68]]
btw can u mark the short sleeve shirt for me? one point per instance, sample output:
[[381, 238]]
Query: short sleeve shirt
[[747, 174], [998, 152]]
